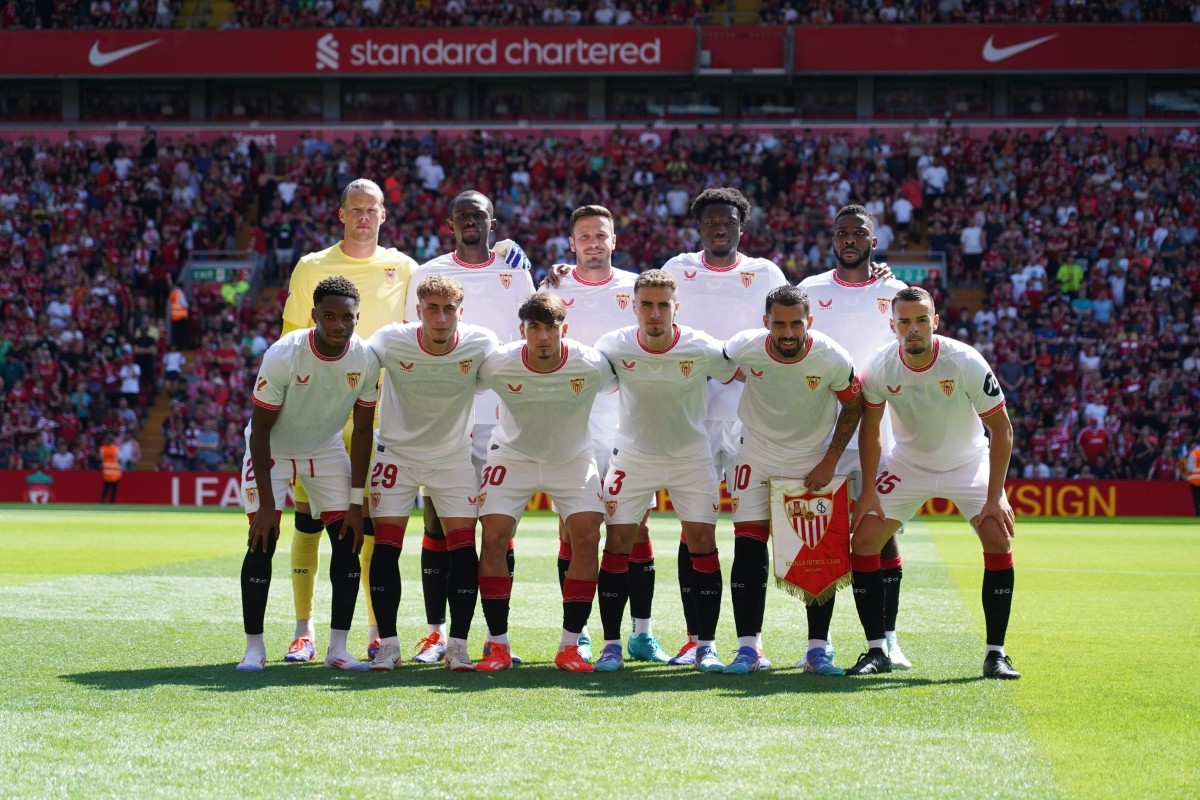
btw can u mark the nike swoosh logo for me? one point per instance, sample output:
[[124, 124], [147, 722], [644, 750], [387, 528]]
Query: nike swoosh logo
[[97, 58], [992, 54]]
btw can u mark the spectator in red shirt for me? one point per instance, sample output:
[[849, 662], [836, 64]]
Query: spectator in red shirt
[[1094, 441]]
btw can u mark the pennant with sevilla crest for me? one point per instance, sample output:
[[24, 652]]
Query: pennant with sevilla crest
[[810, 535]]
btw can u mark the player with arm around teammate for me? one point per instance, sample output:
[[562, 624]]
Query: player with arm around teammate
[[547, 385], [940, 394], [800, 408], [426, 407], [308, 383], [662, 369]]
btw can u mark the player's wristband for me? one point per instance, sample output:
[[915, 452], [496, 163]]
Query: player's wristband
[[356, 496]]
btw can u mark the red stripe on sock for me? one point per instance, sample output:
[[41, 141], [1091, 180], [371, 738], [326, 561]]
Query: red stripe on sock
[[864, 563], [459, 538], [433, 545], [614, 563], [997, 561], [564, 550], [577, 591], [389, 535], [510, 545], [642, 552], [707, 563], [495, 587], [759, 533], [890, 563], [330, 517]]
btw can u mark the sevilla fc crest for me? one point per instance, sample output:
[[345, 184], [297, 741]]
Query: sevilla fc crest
[[812, 382], [884, 304], [352, 379], [623, 302], [389, 274], [610, 506], [465, 366], [251, 494], [375, 498], [506, 280], [482, 499], [948, 388], [734, 502], [577, 385], [809, 516], [686, 367], [747, 278]]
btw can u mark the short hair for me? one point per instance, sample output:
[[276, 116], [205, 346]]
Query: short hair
[[543, 307], [361, 185], [910, 294], [856, 210], [590, 211], [725, 196], [471, 194], [441, 285], [334, 286], [653, 279], [788, 296]]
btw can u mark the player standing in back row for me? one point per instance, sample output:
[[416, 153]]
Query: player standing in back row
[[721, 292]]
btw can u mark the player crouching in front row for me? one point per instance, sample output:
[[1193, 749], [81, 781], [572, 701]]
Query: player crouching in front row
[[306, 387]]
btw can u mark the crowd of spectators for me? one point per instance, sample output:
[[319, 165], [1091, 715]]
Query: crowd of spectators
[[46, 14], [1072, 259]]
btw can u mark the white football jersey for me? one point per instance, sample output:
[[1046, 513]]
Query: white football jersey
[[545, 414], [313, 394], [426, 408], [936, 410], [788, 410], [662, 392], [721, 301], [594, 309], [494, 293]]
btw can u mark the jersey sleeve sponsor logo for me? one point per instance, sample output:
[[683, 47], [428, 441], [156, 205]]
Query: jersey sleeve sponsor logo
[[990, 387], [577, 385], [812, 382], [262, 384], [689, 276], [352, 379], [747, 279], [894, 389], [506, 280], [686, 367], [407, 367], [884, 304], [302, 380], [514, 389], [464, 366], [629, 365], [825, 303], [389, 274], [947, 387], [623, 302]]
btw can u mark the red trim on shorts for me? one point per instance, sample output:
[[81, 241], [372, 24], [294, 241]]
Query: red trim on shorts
[[389, 535], [564, 550], [578, 591], [994, 562], [992, 410], [330, 517], [616, 563], [459, 538], [495, 587], [759, 533], [890, 563], [642, 552], [465, 265], [312, 344], [433, 545], [711, 562], [864, 563], [666, 349]]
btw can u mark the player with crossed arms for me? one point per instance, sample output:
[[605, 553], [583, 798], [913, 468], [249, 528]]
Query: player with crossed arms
[[306, 387]]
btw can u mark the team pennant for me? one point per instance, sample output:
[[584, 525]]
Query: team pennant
[[810, 532]]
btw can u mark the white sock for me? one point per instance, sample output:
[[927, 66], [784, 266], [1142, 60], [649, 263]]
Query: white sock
[[461, 642], [440, 630], [758, 640], [567, 639], [584, 633], [889, 634], [255, 645], [498, 638], [304, 630], [707, 643], [996, 648], [828, 645], [642, 626], [337, 640], [818, 644], [746, 641], [877, 644], [394, 641]]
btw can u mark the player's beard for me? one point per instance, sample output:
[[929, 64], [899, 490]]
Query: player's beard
[[863, 262], [471, 236], [724, 250], [916, 347], [787, 348]]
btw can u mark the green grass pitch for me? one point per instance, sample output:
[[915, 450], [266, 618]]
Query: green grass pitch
[[121, 629]]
